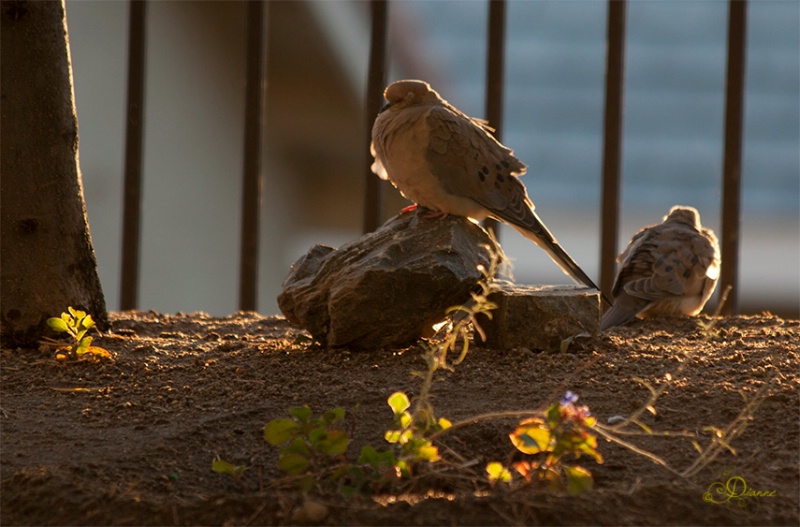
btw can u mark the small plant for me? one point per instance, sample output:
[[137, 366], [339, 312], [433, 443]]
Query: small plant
[[77, 324], [411, 434], [561, 433], [220, 466], [311, 448], [464, 318]]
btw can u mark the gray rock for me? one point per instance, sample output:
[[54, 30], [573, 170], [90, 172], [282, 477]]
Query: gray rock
[[387, 288], [540, 317]]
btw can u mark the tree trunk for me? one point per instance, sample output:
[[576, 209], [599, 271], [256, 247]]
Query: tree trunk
[[47, 261]]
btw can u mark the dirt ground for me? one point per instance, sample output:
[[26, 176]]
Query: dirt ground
[[131, 442]]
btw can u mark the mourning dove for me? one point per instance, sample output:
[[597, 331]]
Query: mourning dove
[[667, 269], [450, 163]]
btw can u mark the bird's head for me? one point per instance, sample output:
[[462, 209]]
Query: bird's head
[[684, 214], [401, 94]]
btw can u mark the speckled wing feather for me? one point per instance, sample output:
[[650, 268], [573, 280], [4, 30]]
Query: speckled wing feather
[[471, 163], [667, 269]]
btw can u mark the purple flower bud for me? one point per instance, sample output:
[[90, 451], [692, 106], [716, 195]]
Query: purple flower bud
[[569, 399]]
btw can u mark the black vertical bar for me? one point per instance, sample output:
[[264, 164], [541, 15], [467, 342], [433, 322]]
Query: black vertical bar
[[132, 187], [376, 79], [732, 168], [612, 142], [495, 76], [255, 91]]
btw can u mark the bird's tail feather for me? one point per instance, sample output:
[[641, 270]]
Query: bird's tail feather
[[615, 317], [625, 309], [539, 234]]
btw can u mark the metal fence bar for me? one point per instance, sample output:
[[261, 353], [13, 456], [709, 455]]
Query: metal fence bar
[[732, 167], [495, 76], [255, 95], [132, 185], [376, 80], [612, 142]]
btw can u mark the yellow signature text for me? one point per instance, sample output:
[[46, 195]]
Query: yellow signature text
[[734, 490]]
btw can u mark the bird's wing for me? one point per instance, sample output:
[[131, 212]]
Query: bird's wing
[[665, 261], [469, 162]]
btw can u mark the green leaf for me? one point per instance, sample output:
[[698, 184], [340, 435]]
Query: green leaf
[[589, 447], [301, 413], [76, 313], [444, 424], [399, 402], [334, 443], [578, 479], [293, 463], [370, 456], [307, 483], [223, 467], [551, 478], [315, 435], [554, 415], [405, 420], [87, 322], [497, 472], [58, 324], [280, 431], [332, 416], [532, 438], [393, 436], [297, 446], [403, 468], [340, 472], [83, 346], [427, 452]]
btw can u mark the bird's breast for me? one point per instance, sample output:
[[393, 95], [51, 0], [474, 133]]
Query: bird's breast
[[404, 140]]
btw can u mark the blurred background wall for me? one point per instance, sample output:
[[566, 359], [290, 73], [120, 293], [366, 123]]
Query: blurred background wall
[[313, 151]]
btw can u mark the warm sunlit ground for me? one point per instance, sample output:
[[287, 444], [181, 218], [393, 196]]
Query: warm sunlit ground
[[135, 444]]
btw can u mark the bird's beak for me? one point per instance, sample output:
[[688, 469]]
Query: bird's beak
[[385, 107]]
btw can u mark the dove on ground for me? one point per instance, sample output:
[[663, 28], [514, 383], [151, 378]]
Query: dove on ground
[[667, 269], [448, 162]]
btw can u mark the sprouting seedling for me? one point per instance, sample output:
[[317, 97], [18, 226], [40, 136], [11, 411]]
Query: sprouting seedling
[[220, 466], [410, 433], [77, 324]]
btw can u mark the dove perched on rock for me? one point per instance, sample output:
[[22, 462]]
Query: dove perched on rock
[[667, 269], [447, 162]]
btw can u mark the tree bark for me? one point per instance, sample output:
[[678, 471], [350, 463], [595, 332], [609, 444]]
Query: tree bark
[[47, 260]]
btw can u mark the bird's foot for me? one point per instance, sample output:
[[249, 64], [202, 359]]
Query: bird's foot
[[425, 212], [431, 214]]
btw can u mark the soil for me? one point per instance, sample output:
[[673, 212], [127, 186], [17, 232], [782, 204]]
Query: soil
[[131, 441]]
